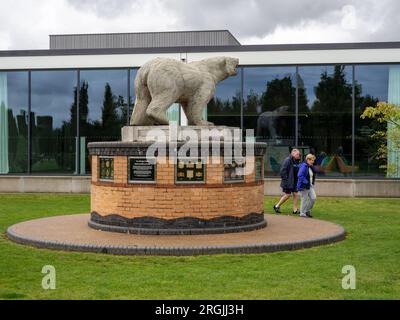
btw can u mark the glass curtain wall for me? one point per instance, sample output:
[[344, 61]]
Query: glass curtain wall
[[261, 98]]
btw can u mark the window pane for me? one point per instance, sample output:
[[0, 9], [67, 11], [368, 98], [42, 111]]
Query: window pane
[[374, 83], [224, 108], [269, 109], [325, 117], [133, 95], [53, 121], [103, 108], [13, 122]]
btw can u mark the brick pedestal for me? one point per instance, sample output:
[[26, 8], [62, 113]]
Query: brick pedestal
[[163, 204]]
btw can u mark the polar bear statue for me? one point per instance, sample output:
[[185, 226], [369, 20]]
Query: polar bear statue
[[161, 82]]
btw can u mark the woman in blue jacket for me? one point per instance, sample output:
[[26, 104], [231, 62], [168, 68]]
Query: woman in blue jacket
[[305, 185]]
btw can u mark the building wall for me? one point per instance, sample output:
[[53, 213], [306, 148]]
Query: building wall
[[324, 187], [54, 61], [258, 58]]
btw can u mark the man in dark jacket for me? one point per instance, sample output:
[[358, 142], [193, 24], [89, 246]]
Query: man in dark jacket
[[288, 174]]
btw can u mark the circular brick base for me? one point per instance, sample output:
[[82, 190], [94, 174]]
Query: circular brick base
[[72, 233], [169, 195]]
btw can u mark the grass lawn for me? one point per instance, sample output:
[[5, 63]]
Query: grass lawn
[[372, 247]]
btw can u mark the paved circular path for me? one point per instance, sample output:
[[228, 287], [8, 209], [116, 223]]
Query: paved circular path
[[72, 233]]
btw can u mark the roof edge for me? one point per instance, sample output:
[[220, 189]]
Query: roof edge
[[241, 48]]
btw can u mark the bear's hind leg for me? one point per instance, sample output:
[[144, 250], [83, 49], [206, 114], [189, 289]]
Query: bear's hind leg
[[157, 109], [195, 111], [139, 117]]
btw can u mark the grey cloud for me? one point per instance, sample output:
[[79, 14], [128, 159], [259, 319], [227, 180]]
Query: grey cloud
[[104, 8], [247, 20], [250, 18], [258, 18]]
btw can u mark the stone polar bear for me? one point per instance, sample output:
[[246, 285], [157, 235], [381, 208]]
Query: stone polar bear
[[162, 82]]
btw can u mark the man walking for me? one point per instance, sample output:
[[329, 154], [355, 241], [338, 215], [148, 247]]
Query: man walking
[[289, 171]]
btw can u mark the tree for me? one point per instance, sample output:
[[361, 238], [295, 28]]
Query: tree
[[83, 110], [109, 114], [330, 116], [278, 93], [123, 112], [389, 114], [84, 125], [252, 101]]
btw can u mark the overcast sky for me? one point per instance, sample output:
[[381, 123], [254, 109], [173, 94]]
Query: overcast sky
[[26, 24]]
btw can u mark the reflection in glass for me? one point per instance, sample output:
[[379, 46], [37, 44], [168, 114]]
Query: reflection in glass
[[53, 121], [372, 87], [224, 108], [133, 73], [325, 126], [103, 108], [270, 110], [13, 122]]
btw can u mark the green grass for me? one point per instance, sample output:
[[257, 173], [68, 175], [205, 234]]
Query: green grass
[[372, 247]]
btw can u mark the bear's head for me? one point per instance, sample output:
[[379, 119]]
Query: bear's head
[[231, 65]]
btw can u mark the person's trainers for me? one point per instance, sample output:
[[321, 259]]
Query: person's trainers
[[308, 214], [304, 216], [277, 209], [296, 212]]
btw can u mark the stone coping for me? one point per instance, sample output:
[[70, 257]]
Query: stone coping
[[72, 233], [149, 133], [111, 148]]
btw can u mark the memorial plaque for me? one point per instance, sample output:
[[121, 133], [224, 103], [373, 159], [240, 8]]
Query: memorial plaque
[[106, 168], [259, 169], [142, 170], [234, 172], [190, 170]]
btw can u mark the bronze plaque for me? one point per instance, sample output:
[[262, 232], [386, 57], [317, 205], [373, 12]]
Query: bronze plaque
[[106, 168], [190, 170], [141, 170], [234, 172]]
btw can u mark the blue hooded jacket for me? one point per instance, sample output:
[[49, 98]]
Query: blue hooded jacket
[[303, 181]]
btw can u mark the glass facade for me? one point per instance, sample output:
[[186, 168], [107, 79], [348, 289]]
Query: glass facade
[[314, 108]]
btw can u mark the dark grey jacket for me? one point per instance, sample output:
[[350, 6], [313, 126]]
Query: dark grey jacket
[[289, 170]]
